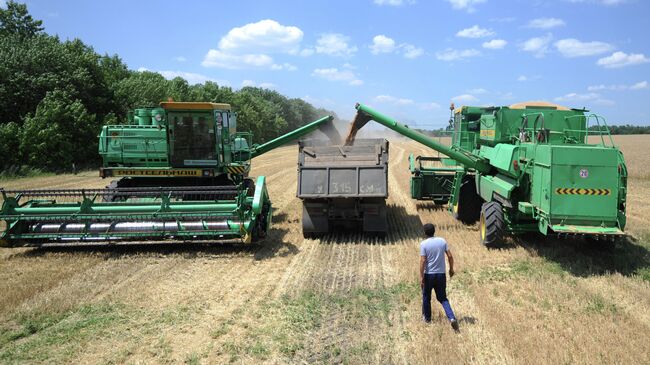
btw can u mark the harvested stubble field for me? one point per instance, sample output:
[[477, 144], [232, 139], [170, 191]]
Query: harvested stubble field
[[342, 299]]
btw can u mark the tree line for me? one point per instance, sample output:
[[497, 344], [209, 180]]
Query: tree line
[[625, 129], [55, 95]]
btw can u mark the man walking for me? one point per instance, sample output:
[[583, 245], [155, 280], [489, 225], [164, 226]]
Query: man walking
[[432, 273]]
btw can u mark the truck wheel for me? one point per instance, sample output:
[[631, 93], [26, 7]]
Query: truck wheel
[[249, 185], [468, 204], [492, 224], [111, 197]]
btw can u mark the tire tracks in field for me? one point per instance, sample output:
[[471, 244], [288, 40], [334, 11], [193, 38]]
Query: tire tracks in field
[[481, 343]]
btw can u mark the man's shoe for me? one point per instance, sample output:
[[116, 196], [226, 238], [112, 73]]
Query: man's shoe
[[454, 324]]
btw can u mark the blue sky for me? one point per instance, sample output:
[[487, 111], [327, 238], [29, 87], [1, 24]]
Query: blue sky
[[407, 58]]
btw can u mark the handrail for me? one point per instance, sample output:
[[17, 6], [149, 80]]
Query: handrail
[[600, 130]]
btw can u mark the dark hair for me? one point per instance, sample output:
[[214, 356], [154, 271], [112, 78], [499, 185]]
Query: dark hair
[[429, 229]]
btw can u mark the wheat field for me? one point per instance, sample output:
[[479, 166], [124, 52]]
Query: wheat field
[[340, 299]]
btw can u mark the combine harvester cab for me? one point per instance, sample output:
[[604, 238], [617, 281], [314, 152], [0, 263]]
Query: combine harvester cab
[[181, 173], [528, 167]]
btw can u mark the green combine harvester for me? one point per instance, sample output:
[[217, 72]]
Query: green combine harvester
[[181, 173], [527, 167]]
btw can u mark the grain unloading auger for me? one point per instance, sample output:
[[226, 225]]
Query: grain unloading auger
[[182, 174], [527, 167]]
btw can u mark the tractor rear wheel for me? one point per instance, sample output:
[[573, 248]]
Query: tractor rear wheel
[[468, 205], [492, 224]]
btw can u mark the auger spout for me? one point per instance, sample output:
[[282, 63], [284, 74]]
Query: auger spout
[[365, 113]]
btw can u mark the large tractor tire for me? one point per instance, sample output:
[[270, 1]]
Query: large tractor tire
[[491, 224], [468, 206]]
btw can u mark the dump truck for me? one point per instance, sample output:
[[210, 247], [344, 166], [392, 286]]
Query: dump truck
[[527, 167], [180, 172], [343, 186]]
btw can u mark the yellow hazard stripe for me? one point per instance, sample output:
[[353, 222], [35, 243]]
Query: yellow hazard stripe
[[582, 191], [236, 169]]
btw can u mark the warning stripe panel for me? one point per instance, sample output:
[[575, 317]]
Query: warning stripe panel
[[582, 191], [236, 169]]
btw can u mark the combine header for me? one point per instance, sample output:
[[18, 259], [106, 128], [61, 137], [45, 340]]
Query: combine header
[[181, 173], [527, 167]]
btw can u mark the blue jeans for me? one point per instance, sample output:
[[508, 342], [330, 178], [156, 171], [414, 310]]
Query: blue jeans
[[437, 282]]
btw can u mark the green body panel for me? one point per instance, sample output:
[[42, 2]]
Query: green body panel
[[535, 160], [597, 170], [488, 185], [430, 183], [134, 145], [501, 157]]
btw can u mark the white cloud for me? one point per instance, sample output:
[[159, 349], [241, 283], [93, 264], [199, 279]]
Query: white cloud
[[592, 98], [387, 99], [546, 23], [249, 46], [622, 59], [246, 83], [578, 97], [639, 85], [263, 85], [464, 98], [524, 78], [382, 44], [449, 54], [537, 45], [3, 4], [636, 86], [180, 59], [334, 74], [334, 44], [475, 32], [306, 52], [218, 58], [495, 44], [411, 51], [574, 48], [283, 66], [264, 36], [467, 5], [393, 2]]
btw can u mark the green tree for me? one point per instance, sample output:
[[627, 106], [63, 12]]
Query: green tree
[[32, 67], [16, 21], [178, 89], [141, 89], [60, 133], [10, 146]]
